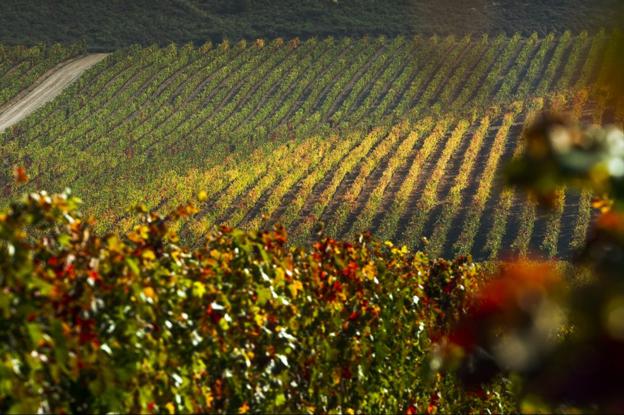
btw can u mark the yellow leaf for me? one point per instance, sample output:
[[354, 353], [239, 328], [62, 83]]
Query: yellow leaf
[[369, 271], [134, 237], [199, 289], [114, 244], [336, 376], [602, 203], [295, 287], [207, 396], [170, 407], [202, 196], [148, 255], [279, 276], [224, 325], [259, 319], [244, 408], [149, 292], [142, 231]]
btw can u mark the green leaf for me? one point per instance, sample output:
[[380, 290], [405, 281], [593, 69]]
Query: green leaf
[[264, 294], [131, 262], [60, 347], [25, 406], [64, 240], [34, 331], [43, 286], [280, 400], [225, 326]]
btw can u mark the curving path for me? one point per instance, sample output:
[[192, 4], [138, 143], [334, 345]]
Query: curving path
[[46, 89]]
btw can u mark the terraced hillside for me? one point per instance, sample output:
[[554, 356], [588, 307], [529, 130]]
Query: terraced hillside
[[401, 136]]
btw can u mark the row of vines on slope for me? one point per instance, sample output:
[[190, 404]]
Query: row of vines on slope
[[338, 129]]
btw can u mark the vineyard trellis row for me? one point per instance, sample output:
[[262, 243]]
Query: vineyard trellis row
[[401, 136], [21, 66]]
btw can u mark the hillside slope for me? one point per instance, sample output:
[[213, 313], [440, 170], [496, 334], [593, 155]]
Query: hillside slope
[[114, 23], [21, 66], [45, 89], [403, 137]]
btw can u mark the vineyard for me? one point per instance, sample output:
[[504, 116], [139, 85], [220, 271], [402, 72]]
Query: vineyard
[[20, 66], [405, 137]]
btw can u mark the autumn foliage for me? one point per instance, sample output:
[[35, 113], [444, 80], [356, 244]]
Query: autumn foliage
[[140, 323]]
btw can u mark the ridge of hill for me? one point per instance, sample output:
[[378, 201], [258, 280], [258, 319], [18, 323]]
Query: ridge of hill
[[404, 137], [110, 24]]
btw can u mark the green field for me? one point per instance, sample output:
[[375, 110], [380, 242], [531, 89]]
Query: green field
[[401, 136]]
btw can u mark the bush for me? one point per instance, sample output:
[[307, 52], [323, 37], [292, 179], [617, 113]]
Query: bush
[[140, 323]]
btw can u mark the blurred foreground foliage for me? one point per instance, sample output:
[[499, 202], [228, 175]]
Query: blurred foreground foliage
[[563, 340], [139, 323]]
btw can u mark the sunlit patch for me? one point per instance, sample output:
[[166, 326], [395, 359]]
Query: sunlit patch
[[513, 352], [561, 139], [616, 167], [614, 318], [615, 141]]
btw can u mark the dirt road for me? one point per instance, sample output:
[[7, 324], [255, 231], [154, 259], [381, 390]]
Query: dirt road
[[48, 87]]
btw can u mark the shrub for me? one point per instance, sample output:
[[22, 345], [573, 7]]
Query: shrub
[[140, 323]]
